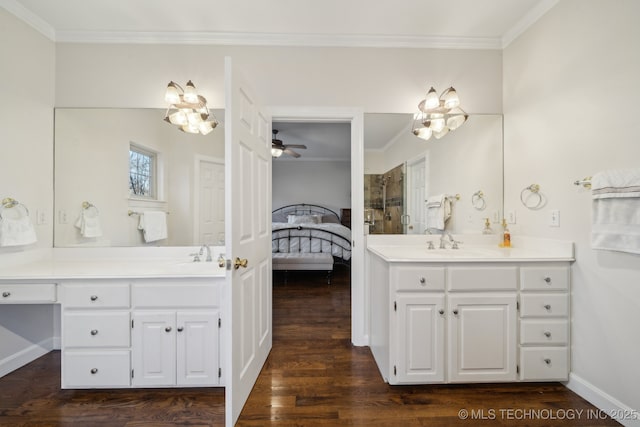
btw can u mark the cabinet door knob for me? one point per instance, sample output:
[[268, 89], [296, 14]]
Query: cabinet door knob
[[6, 294], [547, 279], [94, 332], [168, 329], [547, 361], [94, 370], [180, 329], [547, 307], [94, 297], [441, 311], [423, 280], [455, 311], [547, 334]]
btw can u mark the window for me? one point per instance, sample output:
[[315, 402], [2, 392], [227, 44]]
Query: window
[[142, 172]]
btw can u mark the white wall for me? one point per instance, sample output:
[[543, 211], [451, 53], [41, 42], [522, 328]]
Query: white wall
[[324, 183], [571, 92], [26, 166]]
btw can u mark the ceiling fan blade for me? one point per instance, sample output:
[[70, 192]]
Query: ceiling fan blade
[[291, 153], [304, 147]]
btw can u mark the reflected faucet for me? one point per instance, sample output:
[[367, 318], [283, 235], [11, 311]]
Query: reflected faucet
[[202, 248]]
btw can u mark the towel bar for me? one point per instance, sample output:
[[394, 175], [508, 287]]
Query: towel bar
[[585, 182]]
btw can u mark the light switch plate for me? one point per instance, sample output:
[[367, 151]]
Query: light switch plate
[[554, 218], [511, 217]]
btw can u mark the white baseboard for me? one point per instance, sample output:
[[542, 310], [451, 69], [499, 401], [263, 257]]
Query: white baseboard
[[609, 405], [28, 355]]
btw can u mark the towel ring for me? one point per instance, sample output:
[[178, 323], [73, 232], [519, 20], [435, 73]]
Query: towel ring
[[10, 203], [478, 201], [531, 192], [87, 206]]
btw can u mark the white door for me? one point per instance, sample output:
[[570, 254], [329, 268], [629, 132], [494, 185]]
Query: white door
[[420, 332], [416, 195], [197, 348], [154, 349], [482, 338], [210, 202], [248, 237]]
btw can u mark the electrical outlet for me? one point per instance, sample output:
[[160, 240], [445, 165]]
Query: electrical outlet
[[62, 217], [495, 217], [554, 218], [41, 217], [511, 217]]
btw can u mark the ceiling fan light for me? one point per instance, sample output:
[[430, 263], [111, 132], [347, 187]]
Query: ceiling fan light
[[431, 101], [276, 152], [172, 95], [450, 98], [190, 94]]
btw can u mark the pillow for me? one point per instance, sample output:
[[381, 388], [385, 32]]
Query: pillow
[[278, 217], [330, 219], [303, 219]]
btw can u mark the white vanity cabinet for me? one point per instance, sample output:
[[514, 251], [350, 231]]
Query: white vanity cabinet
[[175, 333], [27, 293], [464, 322]]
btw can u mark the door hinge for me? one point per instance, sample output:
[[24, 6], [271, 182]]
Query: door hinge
[[219, 372], [517, 305], [517, 369], [219, 322], [131, 323], [395, 306], [395, 371], [132, 373]]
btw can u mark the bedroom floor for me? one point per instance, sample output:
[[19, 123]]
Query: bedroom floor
[[313, 377]]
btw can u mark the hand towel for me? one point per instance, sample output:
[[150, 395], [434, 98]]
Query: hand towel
[[17, 231], [616, 210], [438, 212], [89, 223], [153, 225]]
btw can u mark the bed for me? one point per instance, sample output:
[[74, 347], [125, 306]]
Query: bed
[[310, 229]]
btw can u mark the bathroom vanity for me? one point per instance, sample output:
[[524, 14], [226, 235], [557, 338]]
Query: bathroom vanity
[[128, 321], [476, 314]]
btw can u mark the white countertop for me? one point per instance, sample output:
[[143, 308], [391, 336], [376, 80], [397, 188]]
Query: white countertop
[[473, 249], [109, 263]]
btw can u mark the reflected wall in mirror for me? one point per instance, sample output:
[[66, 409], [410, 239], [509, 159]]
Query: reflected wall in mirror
[[93, 165], [402, 171]]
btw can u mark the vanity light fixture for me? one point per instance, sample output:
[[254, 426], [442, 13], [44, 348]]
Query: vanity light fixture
[[188, 110], [438, 115]]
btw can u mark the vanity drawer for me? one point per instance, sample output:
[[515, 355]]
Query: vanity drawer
[[113, 295], [87, 369], [544, 332], [418, 278], [544, 363], [482, 278], [28, 293], [544, 278], [102, 329], [544, 305], [175, 295]]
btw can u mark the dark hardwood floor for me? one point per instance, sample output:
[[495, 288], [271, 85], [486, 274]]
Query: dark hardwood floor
[[313, 377]]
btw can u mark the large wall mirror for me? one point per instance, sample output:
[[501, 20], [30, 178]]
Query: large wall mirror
[[402, 171], [111, 165]]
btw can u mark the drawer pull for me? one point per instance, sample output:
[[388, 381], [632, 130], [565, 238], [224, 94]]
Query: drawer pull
[[423, 280], [455, 311], [94, 371], [94, 332], [441, 311], [6, 294], [94, 297], [547, 334], [548, 280], [547, 361], [168, 329], [547, 306], [180, 329]]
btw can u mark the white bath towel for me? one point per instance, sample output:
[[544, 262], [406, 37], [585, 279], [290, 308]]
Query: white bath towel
[[616, 210], [17, 231], [438, 212], [89, 223], [153, 225]]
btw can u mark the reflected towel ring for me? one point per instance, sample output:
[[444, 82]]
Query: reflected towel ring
[[477, 201], [531, 192], [9, 203], [87, 206]]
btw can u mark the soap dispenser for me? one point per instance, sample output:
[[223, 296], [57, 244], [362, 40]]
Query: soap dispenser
[[487, 227], [506, 235]]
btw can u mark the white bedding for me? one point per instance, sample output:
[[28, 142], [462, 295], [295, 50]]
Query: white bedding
[[312, 238]]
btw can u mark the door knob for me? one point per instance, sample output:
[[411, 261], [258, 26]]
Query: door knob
[[240, 263]]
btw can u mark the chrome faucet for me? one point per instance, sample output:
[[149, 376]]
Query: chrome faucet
[[443, 243], [202, 248]]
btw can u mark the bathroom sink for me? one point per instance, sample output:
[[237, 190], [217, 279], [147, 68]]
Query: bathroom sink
[[420, 252], [190, 267]]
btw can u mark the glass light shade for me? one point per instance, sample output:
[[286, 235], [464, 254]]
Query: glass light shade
[[190, 94], [172, 96], [194, 118], [431, 101], [189, 128], [441, 133], [206, 127], [178, 118], [450, 98], [276, 152], [423, 133], [456, 119], [437, 124]]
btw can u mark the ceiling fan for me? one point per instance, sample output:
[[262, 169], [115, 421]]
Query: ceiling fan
[[278, 147]]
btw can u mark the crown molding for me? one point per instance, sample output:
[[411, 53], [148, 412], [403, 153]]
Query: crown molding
[[527, 20], [29, 18], [273, 39]]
